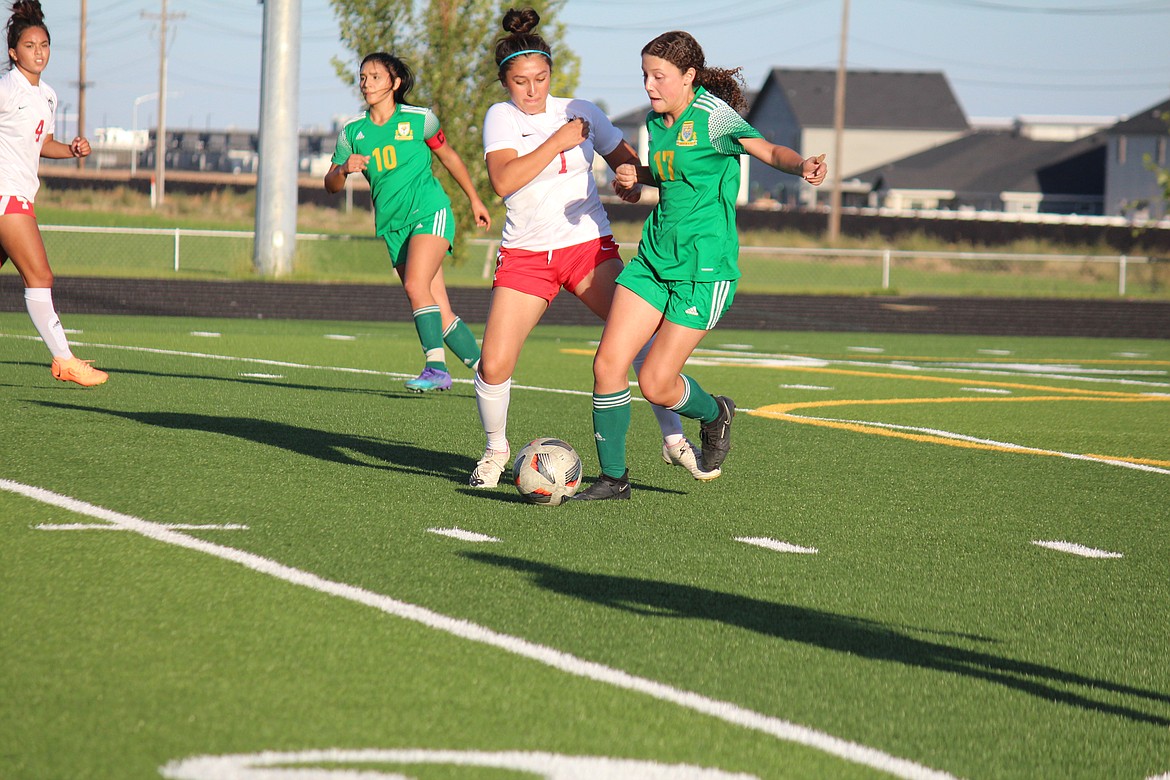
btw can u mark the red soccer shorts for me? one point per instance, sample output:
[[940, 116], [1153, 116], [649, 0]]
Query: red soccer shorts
[[543, 274], [14, 204]]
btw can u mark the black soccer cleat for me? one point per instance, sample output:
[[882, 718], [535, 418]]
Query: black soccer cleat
[[606, 488], [716, 435]]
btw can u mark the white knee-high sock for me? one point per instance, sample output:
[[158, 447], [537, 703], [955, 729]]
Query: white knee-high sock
[[492, 402], [39, 302], [668, 422]]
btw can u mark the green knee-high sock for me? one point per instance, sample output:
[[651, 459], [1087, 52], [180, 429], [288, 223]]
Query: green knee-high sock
[[696, 402], [611, 422], [461, 341], [429, 324]]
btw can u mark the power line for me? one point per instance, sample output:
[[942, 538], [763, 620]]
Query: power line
[[1132, 9]]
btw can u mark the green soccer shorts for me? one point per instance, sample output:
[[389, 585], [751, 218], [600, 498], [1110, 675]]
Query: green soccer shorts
[[697, 305], [441, 223]]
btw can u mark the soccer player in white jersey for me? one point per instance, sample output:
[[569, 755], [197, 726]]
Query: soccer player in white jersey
[[27, 109], [539, 151]]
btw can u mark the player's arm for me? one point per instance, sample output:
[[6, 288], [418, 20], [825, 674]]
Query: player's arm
[[811, 169], [55, 150], [624, 154], [458, 170], [337, 174], [509, 170]]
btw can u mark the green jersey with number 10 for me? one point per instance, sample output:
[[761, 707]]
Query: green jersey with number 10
[[402, 186], [691, 233]]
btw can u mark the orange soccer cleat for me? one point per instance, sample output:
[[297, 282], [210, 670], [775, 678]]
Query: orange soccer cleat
[[79, 371]]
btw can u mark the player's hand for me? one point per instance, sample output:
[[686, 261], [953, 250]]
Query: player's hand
[[79, 147], [814, 169], [483, 217], [628, 194], [355, 163], [625, 177], [571, 134]]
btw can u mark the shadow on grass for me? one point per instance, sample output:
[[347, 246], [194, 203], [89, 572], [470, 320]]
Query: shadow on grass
[[505, 494], [841, 633], [394, 388], [343, 448]]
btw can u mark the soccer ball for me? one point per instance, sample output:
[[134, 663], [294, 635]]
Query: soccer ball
[[547, 471]]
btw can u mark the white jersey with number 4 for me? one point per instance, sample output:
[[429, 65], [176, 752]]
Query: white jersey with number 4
[[560, 207], [27, 118]]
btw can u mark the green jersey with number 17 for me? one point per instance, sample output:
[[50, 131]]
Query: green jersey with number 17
[[402, 186], [691, 233]]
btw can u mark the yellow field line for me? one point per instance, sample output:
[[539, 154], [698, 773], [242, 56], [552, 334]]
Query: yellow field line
[[784, 412], [961, 381], [993, 359]]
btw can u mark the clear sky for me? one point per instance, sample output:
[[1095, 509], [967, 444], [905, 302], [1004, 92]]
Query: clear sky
[[1003, 59]]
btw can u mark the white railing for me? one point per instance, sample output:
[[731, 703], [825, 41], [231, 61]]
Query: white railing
[[888, 256]]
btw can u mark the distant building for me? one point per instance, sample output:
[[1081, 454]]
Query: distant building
[[224, 151], [888, 115], [995, 170], [1131, 188]]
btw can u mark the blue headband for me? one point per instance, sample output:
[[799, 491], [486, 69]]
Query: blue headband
[[525, 51]]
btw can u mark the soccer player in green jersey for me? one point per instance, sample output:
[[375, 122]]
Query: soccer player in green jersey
[[683, 278], [391, 145]]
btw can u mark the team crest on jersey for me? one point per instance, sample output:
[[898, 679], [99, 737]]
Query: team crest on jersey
[[404, 133], [686, 134]]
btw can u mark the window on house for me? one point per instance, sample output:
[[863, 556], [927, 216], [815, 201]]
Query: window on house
[[1121, 150], [1161, 151]]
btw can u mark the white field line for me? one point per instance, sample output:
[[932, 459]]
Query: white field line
[[711, 357], [1078, 549], [170, 526], [271, 765], [777, 545], [462, 535], [556, 659], [990, 442], [282, 363]]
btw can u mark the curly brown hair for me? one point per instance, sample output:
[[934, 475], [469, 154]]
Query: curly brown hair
[[683, 51], [519, 24], [25, 14]]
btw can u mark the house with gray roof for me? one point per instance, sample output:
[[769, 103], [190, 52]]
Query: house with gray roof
[[1136, 145], [995, 170], [888, 115]]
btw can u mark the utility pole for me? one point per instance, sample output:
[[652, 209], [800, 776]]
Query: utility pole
[[81, 83], [838, 130], [276, 181], [160, 140]]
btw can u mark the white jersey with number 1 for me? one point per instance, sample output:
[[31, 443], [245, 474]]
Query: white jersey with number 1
[[27, 118], [560, 207]]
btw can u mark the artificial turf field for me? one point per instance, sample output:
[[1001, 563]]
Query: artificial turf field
[[252, 554]]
